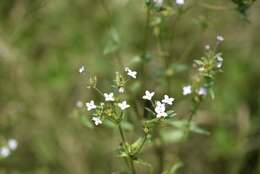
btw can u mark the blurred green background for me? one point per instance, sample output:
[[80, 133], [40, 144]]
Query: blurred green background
[[44, 42]]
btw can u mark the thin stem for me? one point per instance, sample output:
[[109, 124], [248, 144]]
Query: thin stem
[[215, 7], [124, 146], [96, 89], [192, 113], [122, 135], [132, 167], [159, 149], [142, 145]]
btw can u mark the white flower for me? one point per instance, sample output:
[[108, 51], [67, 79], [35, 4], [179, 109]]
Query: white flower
[[121, 90], [168, 100], [161, 114], [219, 60], [219, 57], [4, 152], [220, 38], [160, 110], [130, 72], [207, 47], [203, 91], [186, 90], [148, 95], [79, 104], [91, 105], [109, 97], [158, 2], [219, 64], [97, 120], [12, 144], [102, 104], [82, 69], [123, 105], [180, 2]]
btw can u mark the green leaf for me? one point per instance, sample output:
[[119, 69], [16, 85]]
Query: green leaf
[[127, 126], [86, 122], [172, 136], [136, 146], [149, 110], [177, 68], [144, 163], [182, 124], [196, 129], [173, 169], [113, 43]]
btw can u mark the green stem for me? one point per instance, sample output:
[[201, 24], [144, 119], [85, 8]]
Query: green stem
[[132, 167], [96, 89], [159, 149], [122, 135], [131, 161], [140, 148]]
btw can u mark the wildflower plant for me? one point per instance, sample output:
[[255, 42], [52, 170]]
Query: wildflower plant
[[115, 104], [118, 100]]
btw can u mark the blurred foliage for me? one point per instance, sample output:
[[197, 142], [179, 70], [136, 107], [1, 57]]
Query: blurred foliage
[[44, 42]]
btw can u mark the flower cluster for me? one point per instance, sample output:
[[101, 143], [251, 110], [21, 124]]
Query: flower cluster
[[6, 150], [115, 104], [160, 106], [207, 66]]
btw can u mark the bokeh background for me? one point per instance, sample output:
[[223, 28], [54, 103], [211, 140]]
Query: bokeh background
[[44, 42]]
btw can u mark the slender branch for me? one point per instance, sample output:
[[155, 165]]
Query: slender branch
[[96, 89], [215, 7], [124, 146], [132, 167], [142, 145], [122, 135]]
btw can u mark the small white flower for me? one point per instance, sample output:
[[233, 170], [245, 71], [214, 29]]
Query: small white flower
[[97, 120], [186, 90], [219, 58], [132, 73], [12, 144], [180, 2], [4, 152], [160, 110], [161, 114], [79, 104], [158, 2], [109, 97], [121, 90], [203, 91], [82, 70], [220, 38], [148, 95], [91, 105], [123, 105], [207, 47], [127, 69], [219, 64], [168, 100], [102, 104]]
